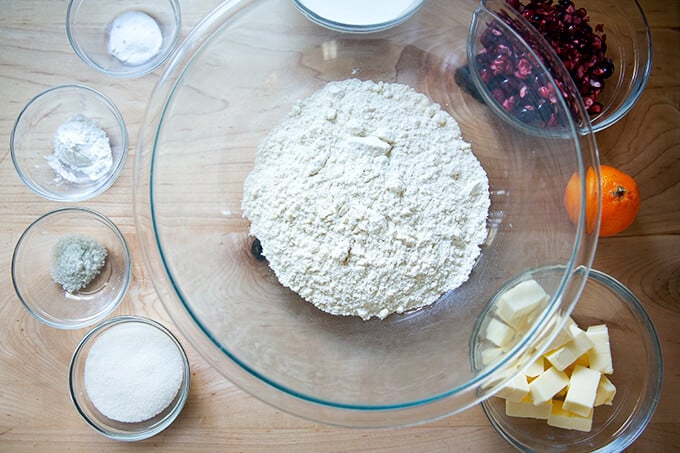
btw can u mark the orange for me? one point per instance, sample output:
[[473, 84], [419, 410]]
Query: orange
[[620, 200]]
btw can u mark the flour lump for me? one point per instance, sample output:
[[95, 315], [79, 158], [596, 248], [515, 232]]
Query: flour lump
[[367, 201]]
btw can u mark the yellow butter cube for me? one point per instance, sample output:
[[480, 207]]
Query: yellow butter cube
[[490, 355], [515, 390], [545, 386], [562, 418], [526, 409], [600, 354], [517, 303], [564, 335], [567, 354], [582, 390], [499, 333], [605, 392], [535, 369]]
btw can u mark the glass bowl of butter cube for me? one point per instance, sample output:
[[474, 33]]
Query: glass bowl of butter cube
[[597, 381]]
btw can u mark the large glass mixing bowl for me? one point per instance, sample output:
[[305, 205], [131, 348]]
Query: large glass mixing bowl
[[237, 75]]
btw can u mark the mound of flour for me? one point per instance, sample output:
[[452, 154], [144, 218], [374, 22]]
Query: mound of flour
[[367, 201]]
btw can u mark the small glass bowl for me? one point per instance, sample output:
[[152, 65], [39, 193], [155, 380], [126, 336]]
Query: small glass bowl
[[88, 24], [114, 429], [358, 16], [32, 265], [32, 141], [638, 374], [629, 46]]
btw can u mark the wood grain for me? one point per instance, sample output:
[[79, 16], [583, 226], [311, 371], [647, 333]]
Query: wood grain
[[35, 411]]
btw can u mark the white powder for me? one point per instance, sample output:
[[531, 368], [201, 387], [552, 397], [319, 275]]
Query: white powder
[[81, 150], [132, 372], [134, 38], [367, 201], [361, 12]]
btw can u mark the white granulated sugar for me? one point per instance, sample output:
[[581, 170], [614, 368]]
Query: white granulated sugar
[[367, 201], [133, 371]]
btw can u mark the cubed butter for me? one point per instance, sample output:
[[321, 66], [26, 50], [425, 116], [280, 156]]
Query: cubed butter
[[517, 303], [545, 386], [564, 335], [565, 355], [490, 355], [535, 369], [527, 409], [600, 354], [582, 390], [515, 390], [605, 392], [499, 333], [562, 418]]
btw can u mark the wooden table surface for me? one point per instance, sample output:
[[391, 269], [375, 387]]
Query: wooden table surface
[[35, 410]]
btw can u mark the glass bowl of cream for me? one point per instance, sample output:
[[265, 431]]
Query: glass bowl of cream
[[71, 267], [123, 38], [69, 143], [129, 378]]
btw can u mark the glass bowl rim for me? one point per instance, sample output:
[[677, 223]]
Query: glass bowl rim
[[106, 183], [126, 278], [626, 437], [189, 324], [133, 71], [183, 391], [598, 124]]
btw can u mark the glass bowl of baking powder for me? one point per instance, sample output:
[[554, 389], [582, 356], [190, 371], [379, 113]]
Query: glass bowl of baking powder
[[123, 38], [69, 143], [129, 378]]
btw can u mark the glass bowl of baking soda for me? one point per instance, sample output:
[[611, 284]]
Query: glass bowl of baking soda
[[69, 143], [123, 38], [71, 268], [129, 378]]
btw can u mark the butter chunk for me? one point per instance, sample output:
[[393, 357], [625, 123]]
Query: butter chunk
[[499, 333], [526, 409], [600, 355], [517, 303], [562, 418], [582, 390], [489, 355], [515, 390], [605, 392], [564, 335], [565, 355], [545, 386], [535, 369]]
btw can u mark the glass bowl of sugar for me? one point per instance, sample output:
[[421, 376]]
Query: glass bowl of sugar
[[123, 38], [71, 268], [69, 143], [129, 378]]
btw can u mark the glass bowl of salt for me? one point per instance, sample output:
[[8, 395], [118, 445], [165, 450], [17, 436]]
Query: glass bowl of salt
[[129, 378], [69, 143], [125, 38], [71, 268]]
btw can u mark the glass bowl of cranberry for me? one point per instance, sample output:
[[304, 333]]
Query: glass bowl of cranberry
[[597, 54]]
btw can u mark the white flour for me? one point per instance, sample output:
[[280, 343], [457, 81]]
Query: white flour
[[367, 201], [134, 38], [82, 150]]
